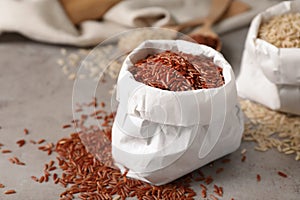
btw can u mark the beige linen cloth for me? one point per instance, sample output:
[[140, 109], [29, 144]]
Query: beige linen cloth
[[46, 21]]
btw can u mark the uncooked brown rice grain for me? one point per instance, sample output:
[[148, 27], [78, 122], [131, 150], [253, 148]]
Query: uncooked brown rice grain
[[243, 158], [32, 141], [258, 178], [51, 163], [218, 190], [6, 151], [21, 142], [34, 178], [243, 151], [284, 175], [219, 170], [42, 178], [52, 168], [66, 126], [54, 176], [203, 186], [203, 193], [226, 160], [221, 191], [9, 192], [26, 132], [12, 160], [41, 141], [208, 180]]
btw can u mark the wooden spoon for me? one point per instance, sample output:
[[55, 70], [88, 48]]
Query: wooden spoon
[[235, 7], [189, 24], [205, 34]]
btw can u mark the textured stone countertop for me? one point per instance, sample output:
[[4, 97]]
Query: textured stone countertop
[[36, 95]]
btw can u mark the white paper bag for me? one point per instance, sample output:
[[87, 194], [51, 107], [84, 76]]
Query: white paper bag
[[271, 75], [162, 135]]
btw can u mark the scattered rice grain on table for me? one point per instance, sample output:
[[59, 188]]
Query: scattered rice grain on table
[[26, 131], [86, 171], [9, 192], [100, 61], [85, 159], [271, 129], [6, 151], [21, 142]]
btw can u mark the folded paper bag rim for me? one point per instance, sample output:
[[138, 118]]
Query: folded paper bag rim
[[141, 96]]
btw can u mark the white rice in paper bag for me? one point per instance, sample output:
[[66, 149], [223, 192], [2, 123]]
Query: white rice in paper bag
[[271, 75], [161, 135]]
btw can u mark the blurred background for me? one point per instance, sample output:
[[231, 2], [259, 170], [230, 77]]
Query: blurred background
[[43, 43]]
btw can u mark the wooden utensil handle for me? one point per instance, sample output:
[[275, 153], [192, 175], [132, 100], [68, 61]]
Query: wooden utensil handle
[[217, 9], [236, 7]]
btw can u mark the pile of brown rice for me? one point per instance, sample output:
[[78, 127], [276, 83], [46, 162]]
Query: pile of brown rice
[[282, 31], [271, 129]]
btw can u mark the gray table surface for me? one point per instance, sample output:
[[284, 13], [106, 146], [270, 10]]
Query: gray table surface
[[35, 94]]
